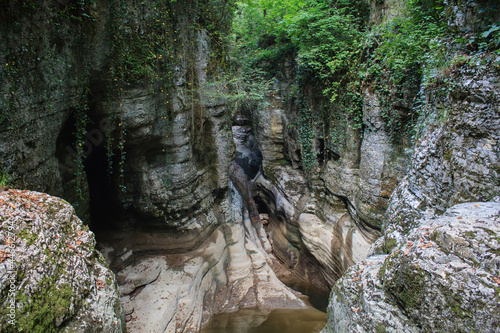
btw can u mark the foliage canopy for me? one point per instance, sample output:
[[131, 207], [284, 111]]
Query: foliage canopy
[[337, 46]]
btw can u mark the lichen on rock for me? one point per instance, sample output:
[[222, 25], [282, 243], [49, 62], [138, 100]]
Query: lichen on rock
[[445, 277], [53, 278]]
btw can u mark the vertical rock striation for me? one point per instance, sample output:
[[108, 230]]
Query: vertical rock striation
[[323, 220], [115, 106], [436, 267]]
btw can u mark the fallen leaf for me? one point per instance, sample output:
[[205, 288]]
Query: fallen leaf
[[355, 309], [428, 245], [497, 280], [3, 255], [477, 205], [9, 242]]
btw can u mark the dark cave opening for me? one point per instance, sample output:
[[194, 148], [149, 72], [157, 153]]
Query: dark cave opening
[[261, 205], [251, 163], [298, 159], [325, 154], [85, 178], [248, 155], [102, 206]]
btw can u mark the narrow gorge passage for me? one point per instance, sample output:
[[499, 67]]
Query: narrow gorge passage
[[245, 173], [187, 166], [246, 168], [154, 264]]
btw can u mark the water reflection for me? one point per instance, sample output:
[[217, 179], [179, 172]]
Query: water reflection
[[268, 321]]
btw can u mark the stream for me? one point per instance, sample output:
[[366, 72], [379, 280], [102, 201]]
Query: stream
[[309, 320], [268, 321]]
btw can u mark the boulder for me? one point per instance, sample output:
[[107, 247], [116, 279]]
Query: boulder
[[444, 277], [52, 277]]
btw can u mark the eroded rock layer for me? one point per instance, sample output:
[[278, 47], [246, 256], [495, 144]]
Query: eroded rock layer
[[436, 267], [169, 283], [457, 160], [321, 222], [115, 106]]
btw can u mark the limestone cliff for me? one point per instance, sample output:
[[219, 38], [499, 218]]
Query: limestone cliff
[[116, 93], [322, 220], [116, 106], [121, 108], [457, 159], [443, 277], [437, 261], [335, 213], [433, 250]]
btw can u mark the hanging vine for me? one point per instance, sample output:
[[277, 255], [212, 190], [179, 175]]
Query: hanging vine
[[81, 120]]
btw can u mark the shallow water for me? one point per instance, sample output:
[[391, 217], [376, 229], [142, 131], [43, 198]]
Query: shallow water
[[268, 321]]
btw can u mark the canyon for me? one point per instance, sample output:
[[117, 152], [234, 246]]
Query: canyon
[[166, 203]]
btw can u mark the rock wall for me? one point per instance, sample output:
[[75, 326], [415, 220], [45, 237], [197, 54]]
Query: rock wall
[[326, 218], [436, 266], [456, 160], [168, 283], [323, 220], [446, 262], [443, 277], [122, 116], [166, 141], [117, 108]]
